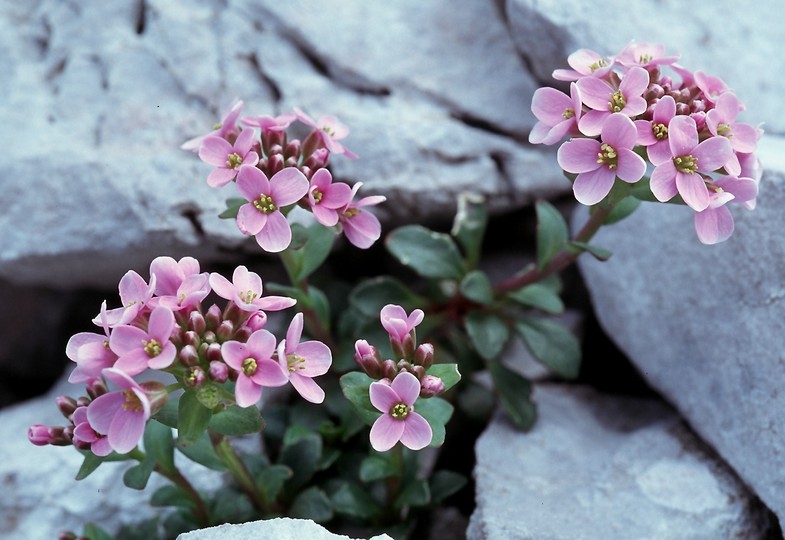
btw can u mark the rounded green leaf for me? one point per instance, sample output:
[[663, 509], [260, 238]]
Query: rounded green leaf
[[430, 254], [515, 395], [552, 344], [488, 332], [477, 287], [538, 296], [552, 233]]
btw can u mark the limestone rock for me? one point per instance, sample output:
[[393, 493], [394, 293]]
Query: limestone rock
[[598, 466], [278, 528]]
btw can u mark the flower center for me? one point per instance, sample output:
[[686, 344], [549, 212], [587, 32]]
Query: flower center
[[248, 297], [249, 366], [400, 411], [601, 63], [660, 131], [608, 156], [617, 102], [328, 130], [568, 113], [265, 204], [317, 196], [645, 58], [234, 160], [295, 362], [351, 212], [724, 130], [152, 347], [686, 164], [132, 401]]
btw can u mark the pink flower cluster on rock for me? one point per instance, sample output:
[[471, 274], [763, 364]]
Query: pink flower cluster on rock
[[626, 106]]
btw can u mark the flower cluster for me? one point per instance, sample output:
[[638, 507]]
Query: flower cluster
[[161, 326], [626, 106], [274, 172], [399, 383]]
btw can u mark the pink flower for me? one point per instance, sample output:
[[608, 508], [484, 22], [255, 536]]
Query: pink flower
[[606, 100], [304, 361], [681, 173], [397, 323], [86, 437], [228, 158], [645, 55], [654, 135], [135, 293], [584, 63], [179, 284], [226, 129], [557, 113], [262, 216], [715, 223], [330, 130], [138, 349], [721, 121], [255, 367], [598, 164], [269, 123], [91, 352], [120, 415], [399, 421], [711, 86], [39, 434], [326, 197], [245, 290], [361, 227]]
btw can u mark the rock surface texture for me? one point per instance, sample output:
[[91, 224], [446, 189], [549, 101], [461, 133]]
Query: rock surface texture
[[704, 324], [598, 466], [279, 529]]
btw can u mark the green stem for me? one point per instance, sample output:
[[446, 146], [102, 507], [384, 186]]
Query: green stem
[[563, 259], [239, 471], [394, 482]]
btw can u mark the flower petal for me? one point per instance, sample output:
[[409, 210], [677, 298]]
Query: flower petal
[[294, 333], [417, 433], [269, 373], [127, 429], [682, 135], [276, 234], [214, 151], [383, 397], [693, 190], [251, 182], [663, 181], [246, 392], [362, 230], [102, 409], [407, 386], [578, 155], [713, 153], [385, 432], [714, 225], [288, 186], [592, 187], [318, 358], [307, 388], [631, 167]]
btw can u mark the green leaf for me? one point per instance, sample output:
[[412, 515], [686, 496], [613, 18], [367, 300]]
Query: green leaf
[[301, 455], [159, 444], [137, 476], [270, 481], [355, 386], [552, 344], [488, 332], [515, 394], [445, 483], [552, 233], [430, 254], [236, 420], [416, 493], [622, 209], [370, 296], [94, 532], [168, 413], [230, 506], [641, 190], [469, 225], [315, 250], [209, 394], [477, 287], [320, 304], [350, 499], [448, 373], [601, 254], [538, 296], [312, 504], [437, 412], [170, 495], [201, 451], [89, 464], [232, 207], [193, 418], [375, 468]]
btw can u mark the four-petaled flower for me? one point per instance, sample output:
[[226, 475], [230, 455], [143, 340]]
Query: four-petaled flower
[[361, 227], [399, 421], [228, 158], [715, 223], [584, 63], [245, 290], [605, 100], [327, 197], [261, 216], [91, 352], [397, 323], [330, 130], [138, 349], [225, 129], [134, 295], [304, 361], [557, 113], [254, 365], [178, 284]]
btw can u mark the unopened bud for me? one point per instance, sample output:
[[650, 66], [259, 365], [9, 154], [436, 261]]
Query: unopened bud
[[156, 393], [242, 334], [318, 159], [389, 369], [95, 387], [196, 322], [430, 386], [219, 371], [654, 91], [213, 317], [307, 171], [368, 359], [256, 321], [225, 331], [192, 338], [275, 149], [209, 337], [194, 377], [700, 120], [213, 352], [67, 405], [290, 162], [682, 108], [82, 401], [292, 150], [698, 105], [666, 83], [417, 371], [38, 434], [59, 437], [189, 356], [423, 356], [274, 164]]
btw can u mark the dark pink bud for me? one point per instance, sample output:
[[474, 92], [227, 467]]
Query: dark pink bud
[[213, 317], [698, 105], [195, 377], [209, 337], [219, 371], [213, 352], [189, 355], [274, 164], [682, 108], [67, 405], [38, 434], [192, 338], [430, 386], [666, 83], [256, 321], [292, 150], [418, 371], [156, 393], [368, 359], [242, 334], [655, 91], [95, 387], [700, 120], [318, 159], [196, 322], [276, 149], [307, 171], [290, 162], [82, 401], [423, 356], [59, 437], [225, 331], [389, 369]]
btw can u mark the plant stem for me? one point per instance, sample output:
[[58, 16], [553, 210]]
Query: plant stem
[[239, 471], [562, 260], [394, 481], [176, 477]]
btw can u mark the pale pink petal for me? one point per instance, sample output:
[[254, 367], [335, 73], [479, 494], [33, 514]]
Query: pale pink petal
[[659, 152], [559, 131], [682, 135], [245, 280], [745, 138], [362, 230], [168, 275], [288, 186], [244, 141], [714, 225], [592, 187], [595, 93], [407, 386], [337, 196], [77, 341], [161, 324], [125, 339], [743, 189], [133, 288], [269, 373], [323, 215], [220, 177], [693, 190], [250, 220], [591, 123], [222, 286], [318, 358], [234, 353], [385, 432], [619, 131], [274, 303], [549, 104], [261, 344], [294, 332], [383, 397], [417, 433], [133, 362], [214, 151], [713, 153], [578, 155], [635, 81], [635, 106], [102, 409], [165, 358], [127, 429], [663, 181], [307, 388], [251, 182], [246, 392], [630, 166], [665, 110], [276, 234]]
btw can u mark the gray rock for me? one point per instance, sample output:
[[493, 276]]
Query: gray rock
[[598, 466], [703, 324], [94, 119], [278, 528], [546, 32]]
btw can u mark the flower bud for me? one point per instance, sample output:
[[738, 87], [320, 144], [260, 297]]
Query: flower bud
[[292, 150], [242, 334], [194, 377], [256, 321], [213, 352], [307, 171], [318, 159], [82, 401], [225, 331], [219, 371], [418, 371], [430, 386], [275, 149], [682, 108], [423, 356], [290, 162], [95, 387], [196, 322], [213, 317], [698, 105], [38, 434], [192, 338], [700, 120], [67, 405], [208, 337], [59, 437], [189, 356], [274, 164], [368, 359], [389, 369], [654, 91], [157, 394]]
